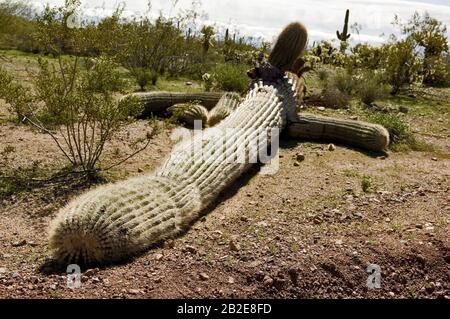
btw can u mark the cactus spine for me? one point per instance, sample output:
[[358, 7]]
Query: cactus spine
[[344, 35], [356, 133], [118, 220]]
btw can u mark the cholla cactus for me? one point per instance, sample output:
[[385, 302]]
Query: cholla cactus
[[117, 220]]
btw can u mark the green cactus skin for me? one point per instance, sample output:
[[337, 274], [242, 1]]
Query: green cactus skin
[[344, 36], [114, 221], [364, 135], [157, 102]]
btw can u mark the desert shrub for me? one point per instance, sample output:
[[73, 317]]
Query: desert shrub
[[231, 78], [399, 131], [370, 88], [15, 95], [80, 104], [334, 98], [337, 88], [436, 71], [144, 77], [366, 184], [401, 64], [323, 74], [343, 80]]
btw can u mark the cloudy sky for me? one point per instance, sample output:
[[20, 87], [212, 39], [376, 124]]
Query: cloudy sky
[[265, 18]]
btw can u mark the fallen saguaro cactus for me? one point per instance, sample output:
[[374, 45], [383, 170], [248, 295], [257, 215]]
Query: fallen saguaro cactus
[[365, 135], [117, 220], [159, 101], [188, 113]]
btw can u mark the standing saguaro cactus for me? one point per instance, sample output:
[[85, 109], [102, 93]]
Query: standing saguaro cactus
[[344, 35], [117, 220]]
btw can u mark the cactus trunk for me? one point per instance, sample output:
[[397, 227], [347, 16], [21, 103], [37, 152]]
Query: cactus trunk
[[119, 220], [355, 133]]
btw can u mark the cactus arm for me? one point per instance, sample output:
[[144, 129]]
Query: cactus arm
[[189, 113], [355, 133], [227, 104], [156, 102]]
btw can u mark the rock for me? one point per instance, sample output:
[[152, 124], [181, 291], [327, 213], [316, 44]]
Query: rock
[[296, 163], [159, 256], [403, 109], [134, 291], [140, 170], [191, 249], [19, 243], [339, 242], [391, 294], [293, 274], [234, 246], [434, 159], [188, 83], [299, 157], [169, 243], [354, 118], [32, 244], [203, 276], [244, 218], [95, 279], [231, 280], [317, 220], [267, 281], [321, 108], [2, 270], [331, 147], [279, 283], [262, 224], [91, 272]]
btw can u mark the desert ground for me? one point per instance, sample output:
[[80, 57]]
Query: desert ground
[[308, 231]]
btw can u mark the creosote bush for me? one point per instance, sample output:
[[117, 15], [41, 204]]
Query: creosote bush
[[80, 104]]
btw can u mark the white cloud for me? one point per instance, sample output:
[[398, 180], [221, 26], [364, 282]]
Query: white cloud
[[264, 18]]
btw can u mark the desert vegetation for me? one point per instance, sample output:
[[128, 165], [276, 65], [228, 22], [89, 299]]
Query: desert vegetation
[[363, 174]]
